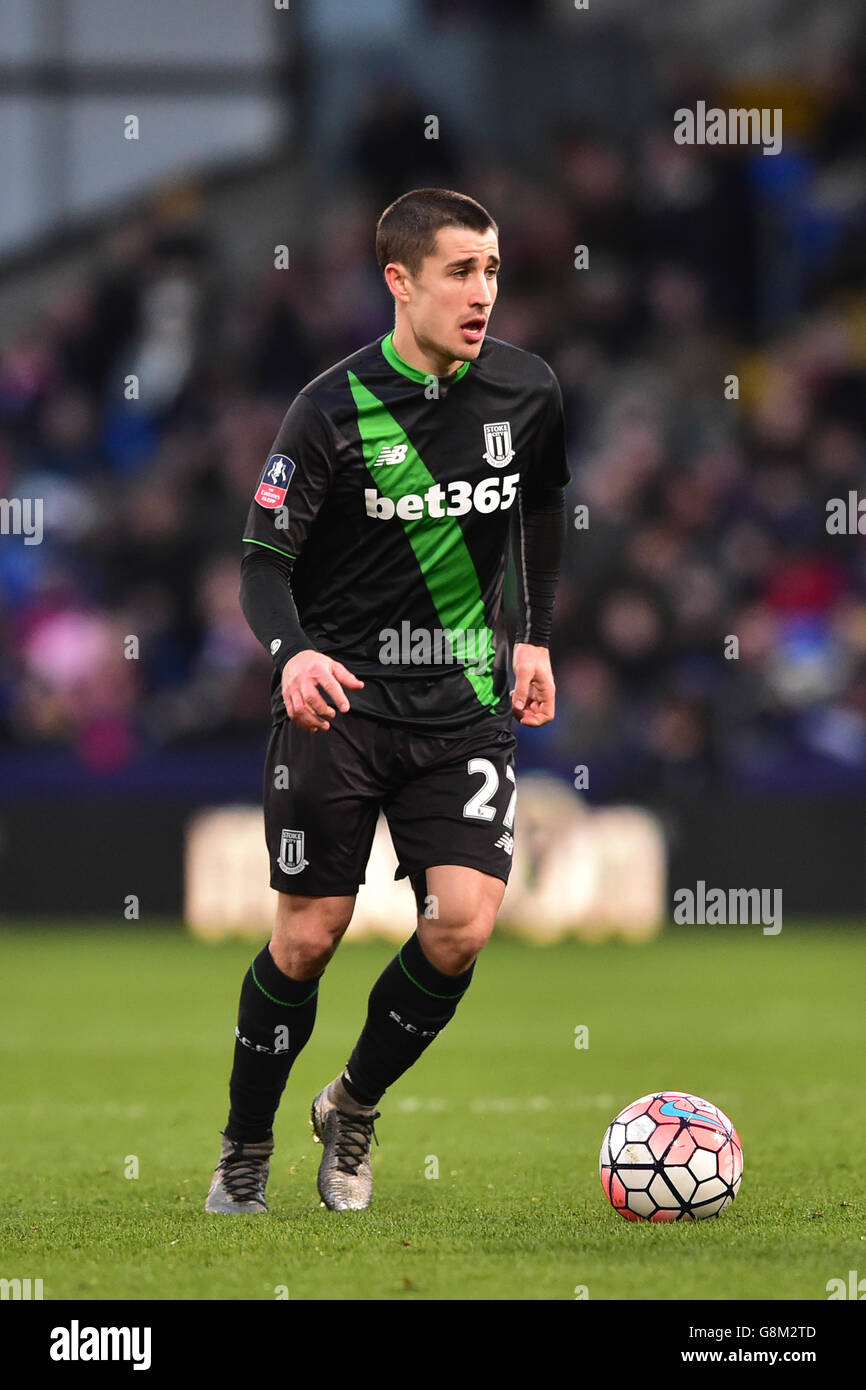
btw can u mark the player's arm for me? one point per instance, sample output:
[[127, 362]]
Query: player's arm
[[293, 486], [537, 537], [537, 540], [309, 678]]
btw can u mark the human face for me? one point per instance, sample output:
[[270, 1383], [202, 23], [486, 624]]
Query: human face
[[442, 312]]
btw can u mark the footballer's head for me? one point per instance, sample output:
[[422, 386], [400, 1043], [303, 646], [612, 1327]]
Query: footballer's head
[[440, 255]]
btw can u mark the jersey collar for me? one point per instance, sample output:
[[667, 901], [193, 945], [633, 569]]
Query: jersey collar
[[393, 358]]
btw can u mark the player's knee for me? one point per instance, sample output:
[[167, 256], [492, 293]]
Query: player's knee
[[307, 932], [453, 948], [302, 958], [464, 922], [460, 957]]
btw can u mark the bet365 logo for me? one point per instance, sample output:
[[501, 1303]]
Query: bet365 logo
[[454, 499]]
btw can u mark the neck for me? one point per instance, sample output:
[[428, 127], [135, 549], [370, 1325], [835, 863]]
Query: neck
[[423, 359]]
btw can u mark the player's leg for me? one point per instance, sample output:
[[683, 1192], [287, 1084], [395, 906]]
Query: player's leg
[[277, 1009], [459, 913], [411, 1002], [462, 803], [320, 814], [417, 994], [276, 1015]]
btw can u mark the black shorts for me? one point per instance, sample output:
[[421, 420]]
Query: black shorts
[[446, 800]]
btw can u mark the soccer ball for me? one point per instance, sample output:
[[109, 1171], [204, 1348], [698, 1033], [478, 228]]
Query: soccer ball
[[671, 1156]]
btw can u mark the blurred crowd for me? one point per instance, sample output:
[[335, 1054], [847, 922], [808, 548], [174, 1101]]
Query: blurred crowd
[[712, 356]]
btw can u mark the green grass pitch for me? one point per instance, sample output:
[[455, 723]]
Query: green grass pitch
[[117, 1044]]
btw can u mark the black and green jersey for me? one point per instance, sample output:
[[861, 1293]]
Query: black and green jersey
[[394, 494]]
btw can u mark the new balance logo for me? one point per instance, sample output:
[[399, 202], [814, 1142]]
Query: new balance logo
[[391, 453], [506, 842]]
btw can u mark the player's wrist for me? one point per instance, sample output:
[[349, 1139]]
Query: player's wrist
[[538, 644], [287, 652]]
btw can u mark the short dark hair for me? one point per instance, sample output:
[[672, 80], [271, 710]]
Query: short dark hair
[[406, 231]]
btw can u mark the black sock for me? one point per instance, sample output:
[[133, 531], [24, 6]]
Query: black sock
[[275, 1020], [409, 1004]]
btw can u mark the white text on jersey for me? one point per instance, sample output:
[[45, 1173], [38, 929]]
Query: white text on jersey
[[452, 499]]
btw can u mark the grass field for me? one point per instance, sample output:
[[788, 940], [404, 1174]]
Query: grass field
[[117, 1044]]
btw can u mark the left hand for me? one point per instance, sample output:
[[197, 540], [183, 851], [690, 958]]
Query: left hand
[[533, 698]]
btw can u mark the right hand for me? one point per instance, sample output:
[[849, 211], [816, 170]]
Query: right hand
[[307, 678]]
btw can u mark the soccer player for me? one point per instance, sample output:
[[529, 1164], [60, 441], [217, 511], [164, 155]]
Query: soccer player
[[375, 552]]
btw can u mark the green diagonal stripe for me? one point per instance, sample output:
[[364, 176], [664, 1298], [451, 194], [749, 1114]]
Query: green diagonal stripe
[[442, 553]]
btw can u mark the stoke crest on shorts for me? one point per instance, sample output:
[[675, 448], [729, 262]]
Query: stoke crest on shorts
[[291, 858]]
